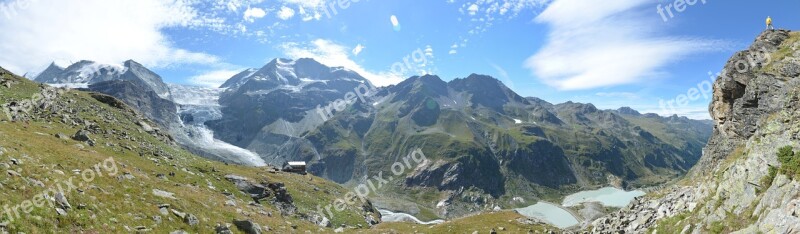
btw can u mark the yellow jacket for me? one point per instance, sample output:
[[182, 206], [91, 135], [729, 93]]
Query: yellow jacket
[[769, 21]]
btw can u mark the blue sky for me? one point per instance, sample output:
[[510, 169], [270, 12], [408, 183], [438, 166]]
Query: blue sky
[[610, 53]]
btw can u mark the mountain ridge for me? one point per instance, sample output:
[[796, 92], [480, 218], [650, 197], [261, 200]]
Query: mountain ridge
[[491, 132]]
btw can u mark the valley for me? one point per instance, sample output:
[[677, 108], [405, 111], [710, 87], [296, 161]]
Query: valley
[[399, 117]]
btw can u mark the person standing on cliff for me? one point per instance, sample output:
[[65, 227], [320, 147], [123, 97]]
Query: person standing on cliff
[[769, 23]]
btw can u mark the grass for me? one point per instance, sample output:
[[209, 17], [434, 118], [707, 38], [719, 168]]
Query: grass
[[673, 224], [785, 51], [116, 205], [766, 182]]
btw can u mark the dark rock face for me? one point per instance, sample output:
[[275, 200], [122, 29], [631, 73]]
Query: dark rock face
[[137, 94]]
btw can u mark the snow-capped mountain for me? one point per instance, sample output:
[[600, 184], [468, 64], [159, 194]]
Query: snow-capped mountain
[[297, 75], [266, 109], [239, 79], [85, 73]]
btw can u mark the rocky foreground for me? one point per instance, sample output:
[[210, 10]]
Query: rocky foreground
[[756, 105]]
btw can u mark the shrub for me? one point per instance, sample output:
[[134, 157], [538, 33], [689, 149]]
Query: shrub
[[785, 154], [790, 165]]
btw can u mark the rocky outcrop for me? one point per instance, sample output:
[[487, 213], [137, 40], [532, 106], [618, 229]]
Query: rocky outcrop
[[258, 191], [644, 213], [140, 96], [755, 107]]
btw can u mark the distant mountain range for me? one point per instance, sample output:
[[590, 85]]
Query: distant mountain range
[[487, 144]]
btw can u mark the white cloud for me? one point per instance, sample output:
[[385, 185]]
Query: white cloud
[[604, 44], [473, 9], [311, 9], [395, 22], [483, 13], [213, 78], [308, 16], [453, 52], [99, 30], [357, 50], [313, 4], [285, 13], [332, 54], [254, 13], [429, 51]]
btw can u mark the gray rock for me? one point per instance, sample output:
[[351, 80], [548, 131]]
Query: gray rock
[[62, 136], [325, 222], [223, 229], [13, 173], [146, 127], [230, 203], [191, 220], [179, 232], [163, 209], [81, 135], [61, 201], [35, 182], [791, 69], [61, 212], [247, 226], [178, 213], [164, 194]]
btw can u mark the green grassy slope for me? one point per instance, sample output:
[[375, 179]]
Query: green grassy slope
[[34, 160]]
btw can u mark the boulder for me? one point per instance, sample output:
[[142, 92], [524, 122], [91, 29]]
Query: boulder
[[191, 220], [81, 135], [247, 226]]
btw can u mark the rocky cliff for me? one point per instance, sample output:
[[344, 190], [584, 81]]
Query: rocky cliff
[[739, 185]]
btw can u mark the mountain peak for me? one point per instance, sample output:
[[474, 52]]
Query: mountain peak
[[628, 111], [131, 62], [481, 77], [50, 71], [53, 64], [578, 107]]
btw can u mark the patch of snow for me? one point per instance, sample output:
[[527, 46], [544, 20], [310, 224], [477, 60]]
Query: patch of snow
[[517, 121], [89, 71]]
